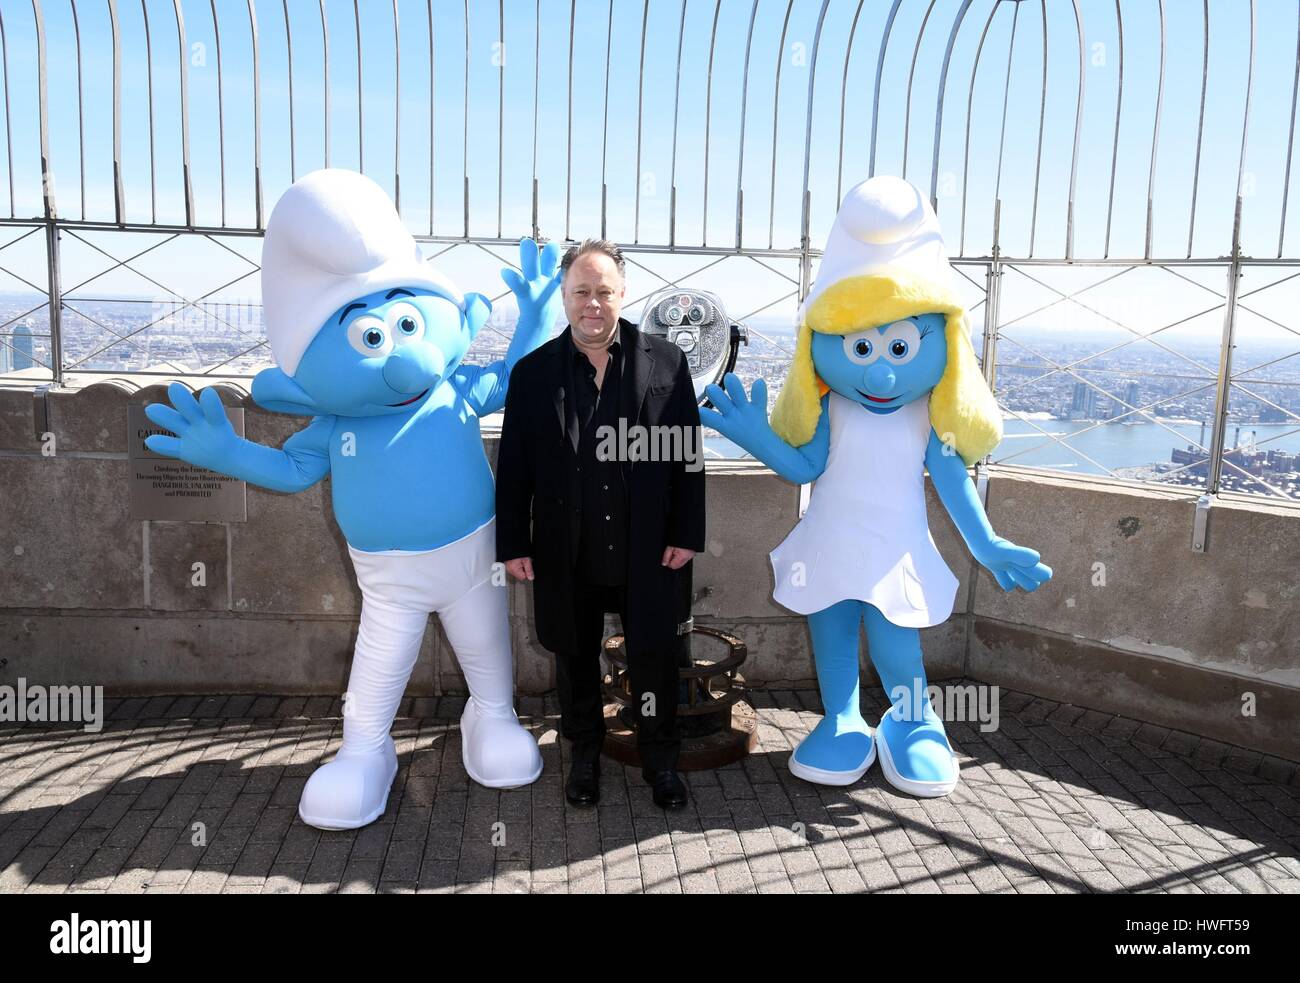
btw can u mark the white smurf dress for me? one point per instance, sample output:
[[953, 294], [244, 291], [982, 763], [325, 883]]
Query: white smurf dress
[[865, 535]]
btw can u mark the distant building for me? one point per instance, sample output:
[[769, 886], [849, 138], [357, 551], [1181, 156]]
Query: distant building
[[1083, 403], [21, 352]]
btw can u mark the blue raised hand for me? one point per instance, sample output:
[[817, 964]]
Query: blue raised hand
[[536, 286], [204, 436], [743, 420]]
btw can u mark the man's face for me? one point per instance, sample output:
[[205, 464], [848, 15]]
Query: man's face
[[593, 296]]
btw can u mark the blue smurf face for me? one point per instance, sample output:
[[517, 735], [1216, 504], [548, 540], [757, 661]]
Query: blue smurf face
[[884, 368], [384, 353]]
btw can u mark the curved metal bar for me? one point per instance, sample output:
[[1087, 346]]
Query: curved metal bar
[[1006, 91], [744, 109], [604, 139], [880, 68], [844, 91], [808, 116], [640, 97], [568, 131], [257, 119], [433, 139], [970, 98], [397, 111], [911, 77], [537, 90], [1114, 154], [1290, 141], [1042, 118], [501, 102], [1200, 124], [221, 111], [677, 99], [325, 70], [776, 107], [148, 61], [465, 136], [183, 47], [805, 221], [42, 95], [708, 116], [288, 44], [119, 202], [1078, 128], [938, 109], [1250, 85], [1155, 135], [81, 119], [361, 115]]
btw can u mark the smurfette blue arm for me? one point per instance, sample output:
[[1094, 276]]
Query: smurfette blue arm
[[959, 496], [743, 420]]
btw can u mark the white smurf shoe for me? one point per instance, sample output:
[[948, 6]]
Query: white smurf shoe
[[350, 791], [497, 751]]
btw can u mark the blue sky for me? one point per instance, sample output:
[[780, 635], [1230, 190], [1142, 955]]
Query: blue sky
[[765, 151]]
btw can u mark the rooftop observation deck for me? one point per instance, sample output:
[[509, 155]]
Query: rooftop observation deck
[[1118, 224]]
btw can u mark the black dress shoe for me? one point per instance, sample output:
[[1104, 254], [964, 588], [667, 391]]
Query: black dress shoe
[[583, 786], [668, 789]]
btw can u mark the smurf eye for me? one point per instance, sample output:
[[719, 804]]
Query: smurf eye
[[370, 336], [860, 348], [901, 341], [406, 322]]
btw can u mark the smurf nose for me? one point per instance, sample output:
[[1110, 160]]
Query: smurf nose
[[879, 378], [413, 368]]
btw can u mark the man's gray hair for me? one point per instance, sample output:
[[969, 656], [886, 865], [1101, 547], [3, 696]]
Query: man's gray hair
[[605, 247]]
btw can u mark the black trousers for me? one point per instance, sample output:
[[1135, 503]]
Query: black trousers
[[578, 680]]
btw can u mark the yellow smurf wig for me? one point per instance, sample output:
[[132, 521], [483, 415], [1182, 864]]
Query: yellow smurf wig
[[961, 404]]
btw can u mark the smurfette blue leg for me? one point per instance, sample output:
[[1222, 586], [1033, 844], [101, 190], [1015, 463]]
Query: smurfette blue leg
[[914, 752], [839, 749]]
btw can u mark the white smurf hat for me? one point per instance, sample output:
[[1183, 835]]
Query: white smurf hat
[[884, 225], [333, 236]]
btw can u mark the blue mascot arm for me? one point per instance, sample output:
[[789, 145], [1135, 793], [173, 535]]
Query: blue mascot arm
[[205, 438], [1011, 565], [743, 420], [537, 292]]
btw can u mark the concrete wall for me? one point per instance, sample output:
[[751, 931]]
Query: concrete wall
[[1133, 622]]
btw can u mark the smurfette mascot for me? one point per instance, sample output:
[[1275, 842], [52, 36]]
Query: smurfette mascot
[[368, 340], [884, 384]]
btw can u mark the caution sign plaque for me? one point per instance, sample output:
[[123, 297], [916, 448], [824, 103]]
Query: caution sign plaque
[[165, 488]]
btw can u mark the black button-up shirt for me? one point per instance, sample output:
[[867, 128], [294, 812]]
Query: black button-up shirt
[[603, 536]]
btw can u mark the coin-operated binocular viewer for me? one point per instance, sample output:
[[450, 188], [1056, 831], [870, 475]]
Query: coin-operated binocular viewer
[[696, 322]]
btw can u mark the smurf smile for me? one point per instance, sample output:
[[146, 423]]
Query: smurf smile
[[878, 399], [408, 402]]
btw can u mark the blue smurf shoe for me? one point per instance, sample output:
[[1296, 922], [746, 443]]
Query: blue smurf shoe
[[915, 754], [838, 751]]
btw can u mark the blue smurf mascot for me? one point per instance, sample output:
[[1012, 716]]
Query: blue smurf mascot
[[368, 341], [884, 384]]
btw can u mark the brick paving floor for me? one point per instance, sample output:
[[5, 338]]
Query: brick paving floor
[[1057, 799]]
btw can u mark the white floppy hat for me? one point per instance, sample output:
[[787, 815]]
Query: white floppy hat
[[333, 236], [884, 224]]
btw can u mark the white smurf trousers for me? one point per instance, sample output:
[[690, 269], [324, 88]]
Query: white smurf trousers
[[399, 591]]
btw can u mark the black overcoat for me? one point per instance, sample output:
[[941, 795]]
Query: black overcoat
[[538, 499]]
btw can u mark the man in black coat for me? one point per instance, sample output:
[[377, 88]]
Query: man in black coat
[[600, 524]]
